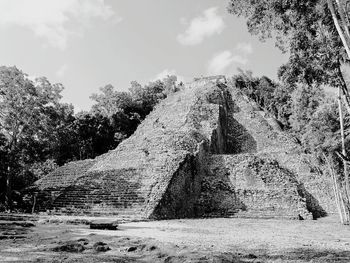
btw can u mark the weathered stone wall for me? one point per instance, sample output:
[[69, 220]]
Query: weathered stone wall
[[184, 189], [253, 185]]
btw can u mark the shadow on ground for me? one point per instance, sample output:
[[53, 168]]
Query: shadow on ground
[[299, 255]]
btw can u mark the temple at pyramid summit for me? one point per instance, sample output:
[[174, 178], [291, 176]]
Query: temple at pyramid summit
[[204, 151]]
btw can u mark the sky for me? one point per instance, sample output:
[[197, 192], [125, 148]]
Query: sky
[[87, 44]]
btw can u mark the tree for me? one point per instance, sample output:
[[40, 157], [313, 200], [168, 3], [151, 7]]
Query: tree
[[3, 167], [93, 135], [138, 101], [23, 108], [339, 10], [58, 143], [270, 96], [342, 22], [281, 107], [306, 30], [321, 132], [110, 101], [145, 98], [305, 101]]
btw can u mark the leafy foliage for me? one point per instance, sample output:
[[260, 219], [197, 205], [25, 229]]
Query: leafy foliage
[[322, 131], [305, 29], [302, 110], [305, 101], [269, 95]]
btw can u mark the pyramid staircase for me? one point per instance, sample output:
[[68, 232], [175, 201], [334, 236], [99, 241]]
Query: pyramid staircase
[[97, 194]]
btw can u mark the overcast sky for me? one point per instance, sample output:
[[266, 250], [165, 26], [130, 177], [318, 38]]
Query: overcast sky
[[86, 44]]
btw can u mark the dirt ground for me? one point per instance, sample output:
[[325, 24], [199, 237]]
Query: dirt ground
[[188, 240]]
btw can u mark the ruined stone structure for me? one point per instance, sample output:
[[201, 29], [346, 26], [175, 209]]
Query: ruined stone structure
[[205, 151]]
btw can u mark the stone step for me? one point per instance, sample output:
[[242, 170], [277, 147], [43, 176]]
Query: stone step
[[98, 197], [91, 192], [126, 212], [82, 200], [17, 217], [116, 197], [96, 207], [254, 214], [122, 194], [130, 216], [94, 200], [102, 202]]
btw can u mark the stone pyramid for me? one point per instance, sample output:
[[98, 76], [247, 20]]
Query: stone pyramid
[[205, 151]]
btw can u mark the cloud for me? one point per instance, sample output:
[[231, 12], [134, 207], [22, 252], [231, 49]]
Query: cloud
[[61, 71], [50, 19], [245, 48], [222, 63], [168, 72], [206, 25], [223, 60]]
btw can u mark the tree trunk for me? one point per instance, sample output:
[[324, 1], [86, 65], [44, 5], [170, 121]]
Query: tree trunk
[[341, 72], [344, 83], [345, 166], [337, 23], [337, 195], [9, 175], [341, 119], [34, 203], [342, 14], [8, 196]]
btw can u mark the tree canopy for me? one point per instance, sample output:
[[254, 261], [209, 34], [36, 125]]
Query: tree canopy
[[305, 30]]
